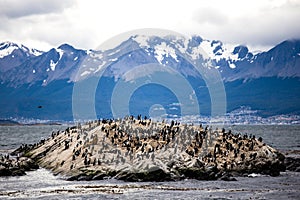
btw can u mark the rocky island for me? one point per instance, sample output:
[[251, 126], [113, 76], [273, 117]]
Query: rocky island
[[139, 149]]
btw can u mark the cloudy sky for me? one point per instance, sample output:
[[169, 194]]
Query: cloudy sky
[[87, 23]]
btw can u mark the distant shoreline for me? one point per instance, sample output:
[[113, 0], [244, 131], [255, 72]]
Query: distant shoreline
[[15, 123], [7, 122]]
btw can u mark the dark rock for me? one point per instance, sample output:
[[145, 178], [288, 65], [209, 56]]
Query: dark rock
[[18, 172], [72, 178], [84, 178], [100, 176], [228, 177], [5, 172], [292, 164], [16, 167], [154, 174], [199, 174], [29, 165]]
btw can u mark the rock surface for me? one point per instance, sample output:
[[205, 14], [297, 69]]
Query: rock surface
[[16, 166], [141, 150], [292, 164]]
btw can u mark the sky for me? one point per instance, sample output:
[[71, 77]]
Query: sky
[[85, 24]]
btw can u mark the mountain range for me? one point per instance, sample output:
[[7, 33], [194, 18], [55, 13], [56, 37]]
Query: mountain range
[[38, 84]]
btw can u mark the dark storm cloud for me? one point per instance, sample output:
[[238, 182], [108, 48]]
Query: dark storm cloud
[[22, 8]]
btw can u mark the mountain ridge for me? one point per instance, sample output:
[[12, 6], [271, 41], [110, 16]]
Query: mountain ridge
[[281, 60], [40, 85]]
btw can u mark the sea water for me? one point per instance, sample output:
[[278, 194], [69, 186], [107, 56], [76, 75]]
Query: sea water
[[42, 184]]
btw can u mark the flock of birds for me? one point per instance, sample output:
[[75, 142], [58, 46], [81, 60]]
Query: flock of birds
[[130, 140]]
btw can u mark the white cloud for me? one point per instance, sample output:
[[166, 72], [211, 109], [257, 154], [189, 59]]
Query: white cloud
[[259, 23], [88, 23], [210, 15]]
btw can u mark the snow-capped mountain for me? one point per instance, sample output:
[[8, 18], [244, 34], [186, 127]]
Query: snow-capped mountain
[[20, 65], [29, 77], [13, 55], [233, 62]]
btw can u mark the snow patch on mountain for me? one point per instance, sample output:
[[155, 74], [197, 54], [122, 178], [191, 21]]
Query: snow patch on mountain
[[114, 52], [35, 52], [95, 55], [206, 49], [61, 53], [6, 49], [85, 73], [163, 50], [217, 51], [142, 40], [231, 65], [113, 59], [100, 67], [53, 65], [198, 51], [227, 53], [181, 44]]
